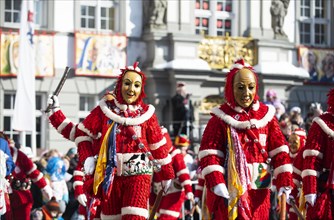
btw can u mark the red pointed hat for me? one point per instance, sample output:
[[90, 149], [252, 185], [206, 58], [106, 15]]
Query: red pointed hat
[[182, 140]]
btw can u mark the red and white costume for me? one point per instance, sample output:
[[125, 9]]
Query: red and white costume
[[318, 159], [204, 196], [134, 134], [25, 172], [297, 162], [171, 202], [80, 184], [199, 187], [261, 121], [131, 185]]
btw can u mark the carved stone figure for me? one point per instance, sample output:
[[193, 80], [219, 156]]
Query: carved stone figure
[[155, 13], [278, 10]]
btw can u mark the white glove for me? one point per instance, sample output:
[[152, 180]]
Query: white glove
[[286, 190], [165, 185], [82, 199], [53, 101], [47, 192], [311, 198], [190, 196], [221, 190], [81, 217], [89, 165], [197, 200]]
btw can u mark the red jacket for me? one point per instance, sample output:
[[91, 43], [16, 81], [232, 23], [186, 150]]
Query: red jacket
[[260, 137], [141, 120], [318, 153], [24, 172]]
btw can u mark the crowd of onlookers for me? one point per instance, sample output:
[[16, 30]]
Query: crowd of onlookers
[[58, 169]]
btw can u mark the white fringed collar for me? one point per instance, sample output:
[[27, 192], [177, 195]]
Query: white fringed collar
[[293, 156], [123, 120], [238, 109], [324, 126], [258, 123], [124, 107]]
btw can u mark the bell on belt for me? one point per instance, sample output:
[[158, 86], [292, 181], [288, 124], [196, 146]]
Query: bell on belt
[[156, 166]]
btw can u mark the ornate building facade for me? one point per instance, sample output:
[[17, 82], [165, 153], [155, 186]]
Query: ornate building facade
[[190, 41]]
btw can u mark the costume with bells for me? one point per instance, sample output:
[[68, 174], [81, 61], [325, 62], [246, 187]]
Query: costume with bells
[[21, 200], [180, 189], [129, 147], [318, 164], [238, 147], [82, 183], [297, 141]]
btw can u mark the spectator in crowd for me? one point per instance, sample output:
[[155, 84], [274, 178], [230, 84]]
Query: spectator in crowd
[[71, 163], [242, 137], [286, 128], [280, 109], [309, 62], [51, 210], [271, 97], [315, 110], [56, 171], [318, 166], [183, 110], [328, 68], [296, 118]]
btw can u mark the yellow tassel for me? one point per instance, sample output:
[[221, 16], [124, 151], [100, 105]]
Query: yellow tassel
[[302, 202], [234, 185], [101, 161]]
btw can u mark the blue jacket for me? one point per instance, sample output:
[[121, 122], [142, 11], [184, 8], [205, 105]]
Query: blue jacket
[[10, 165]]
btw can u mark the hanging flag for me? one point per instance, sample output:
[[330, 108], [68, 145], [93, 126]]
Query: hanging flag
[[24, 109]]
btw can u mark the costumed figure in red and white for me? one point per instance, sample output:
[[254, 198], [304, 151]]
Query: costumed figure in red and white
[[89, 207], [201, 196], [130, 148], [181, 187], [240, 144], [297, 141], [24, 174], [318, 179], [89, 203]]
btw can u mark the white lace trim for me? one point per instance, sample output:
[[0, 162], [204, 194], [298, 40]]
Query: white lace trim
[[245, 124], [324, 126], [123, 120]]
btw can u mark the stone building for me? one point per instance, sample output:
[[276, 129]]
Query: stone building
[[190, 41]]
